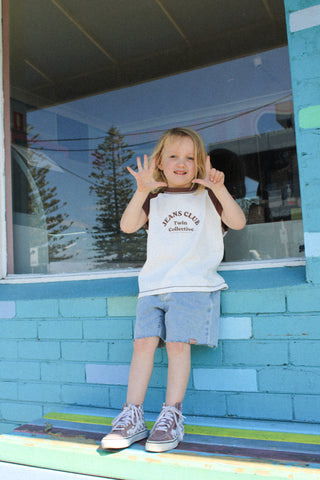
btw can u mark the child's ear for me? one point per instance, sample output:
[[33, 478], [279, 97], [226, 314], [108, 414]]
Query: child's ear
[[159, 164]]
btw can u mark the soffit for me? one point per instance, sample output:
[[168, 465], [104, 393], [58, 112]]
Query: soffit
[[66, 49]]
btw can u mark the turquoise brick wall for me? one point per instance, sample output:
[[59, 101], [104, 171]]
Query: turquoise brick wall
[[62, 351], [303, 27]]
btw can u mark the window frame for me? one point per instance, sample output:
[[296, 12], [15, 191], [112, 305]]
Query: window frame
[[6, 222]]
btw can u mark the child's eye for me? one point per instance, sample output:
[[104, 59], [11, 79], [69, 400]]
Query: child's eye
[[190, 158]]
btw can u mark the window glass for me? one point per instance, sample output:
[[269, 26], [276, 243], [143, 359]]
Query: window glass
[[69, 158]]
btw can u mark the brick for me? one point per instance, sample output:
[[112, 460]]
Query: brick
[[107, 374], [9, 390], [63, 372], [8, 349], [7, 309], [255, 301], [289, 380], [122, 306], [306, 67], [60, 329], [37, 308], [39, 392], [159, 378], [304, 299], [225, 379], [154, 399], [307, 408], [120, 351], [205, 404], [83, 307], [88, 395], [206, 356], [304, 18], [19, 370], [235, 328], [18, 329], [20, 412], [113, 329], [255, 353], [40, 350], [313, 270], [260, 405], [305, 353], [287, 326], [84, 351]]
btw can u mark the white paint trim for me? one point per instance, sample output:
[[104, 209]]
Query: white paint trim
[[303, 19], [3, 225], [312, 244], [134, 272]]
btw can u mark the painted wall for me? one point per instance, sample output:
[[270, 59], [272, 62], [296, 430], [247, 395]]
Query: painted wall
[[70, 343], [76, 350], [303, 26]]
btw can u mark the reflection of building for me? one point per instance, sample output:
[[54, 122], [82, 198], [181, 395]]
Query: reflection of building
[[60, 331]]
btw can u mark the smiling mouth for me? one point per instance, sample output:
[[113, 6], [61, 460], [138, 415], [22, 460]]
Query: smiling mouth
[[179, 172]]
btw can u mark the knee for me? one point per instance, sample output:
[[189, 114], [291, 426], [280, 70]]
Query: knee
[[177, 348], [145, 345]]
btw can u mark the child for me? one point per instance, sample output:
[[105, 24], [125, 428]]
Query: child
[[186, 207]]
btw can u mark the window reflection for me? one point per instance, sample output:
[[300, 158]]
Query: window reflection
[[70, 181]]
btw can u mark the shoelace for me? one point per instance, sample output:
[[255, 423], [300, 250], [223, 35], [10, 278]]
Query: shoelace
[[129, 414], [167, 415]]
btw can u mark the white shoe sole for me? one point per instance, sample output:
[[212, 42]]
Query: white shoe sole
[[158, 447], [122, 442]]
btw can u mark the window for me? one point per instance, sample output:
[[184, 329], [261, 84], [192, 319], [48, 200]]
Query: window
[[80, 113]]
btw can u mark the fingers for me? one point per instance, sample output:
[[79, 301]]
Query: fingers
[[145, 162], [216, 176], [132, 172], [208, 164]]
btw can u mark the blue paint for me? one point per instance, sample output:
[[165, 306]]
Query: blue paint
[[7, 309], [225, 379], [261, 405], [83, 307], [107, 287], [128, 286]]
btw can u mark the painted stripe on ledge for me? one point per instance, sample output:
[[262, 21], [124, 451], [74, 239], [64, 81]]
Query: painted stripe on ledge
[[306, 18], [274, 436], [312, 244], [309, 117]]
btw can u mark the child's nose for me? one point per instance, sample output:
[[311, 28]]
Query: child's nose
[[180, 160]]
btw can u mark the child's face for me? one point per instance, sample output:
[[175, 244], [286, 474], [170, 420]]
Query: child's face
[[177, 162]]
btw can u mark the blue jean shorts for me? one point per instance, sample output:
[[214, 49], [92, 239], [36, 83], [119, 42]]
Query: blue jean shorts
[[189, 317]]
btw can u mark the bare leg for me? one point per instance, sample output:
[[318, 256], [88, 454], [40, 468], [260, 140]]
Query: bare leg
[[141, 369], [179, 364]]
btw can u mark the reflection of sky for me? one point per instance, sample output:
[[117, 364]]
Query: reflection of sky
[[195, 98]]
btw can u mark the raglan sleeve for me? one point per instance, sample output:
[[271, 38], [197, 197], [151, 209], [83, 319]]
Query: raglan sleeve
[[218, 207]]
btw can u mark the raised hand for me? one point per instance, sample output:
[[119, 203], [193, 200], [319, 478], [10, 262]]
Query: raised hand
[[144, 175], [214, 179]]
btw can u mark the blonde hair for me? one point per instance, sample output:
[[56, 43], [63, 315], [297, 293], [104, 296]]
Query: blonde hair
[[200, 153]]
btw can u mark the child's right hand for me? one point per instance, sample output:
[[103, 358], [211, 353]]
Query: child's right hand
[[144, 176]]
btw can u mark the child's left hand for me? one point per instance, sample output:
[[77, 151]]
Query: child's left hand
[[214, 179]]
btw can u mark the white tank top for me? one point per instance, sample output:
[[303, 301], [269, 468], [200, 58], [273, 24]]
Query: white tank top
[[185, 244]]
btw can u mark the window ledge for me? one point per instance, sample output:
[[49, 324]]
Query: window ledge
[[125, 283]]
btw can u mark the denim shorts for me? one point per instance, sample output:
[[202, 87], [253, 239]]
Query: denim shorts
[[189, 317]]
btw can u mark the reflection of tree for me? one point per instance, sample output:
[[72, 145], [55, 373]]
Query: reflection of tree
[[56, 223], [113, 190]]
